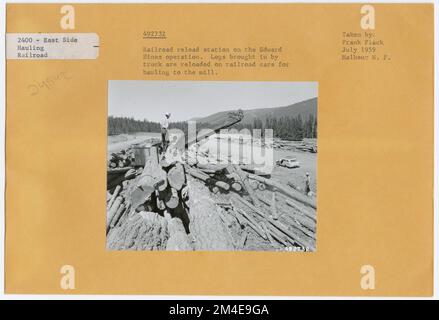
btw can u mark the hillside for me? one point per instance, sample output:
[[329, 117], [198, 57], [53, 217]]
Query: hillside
[[303, 108]]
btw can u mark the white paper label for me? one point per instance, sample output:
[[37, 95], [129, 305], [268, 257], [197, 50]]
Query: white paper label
[[52, 46]]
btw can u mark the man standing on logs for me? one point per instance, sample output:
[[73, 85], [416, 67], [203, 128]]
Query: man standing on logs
[[307, 184], [164, 128]]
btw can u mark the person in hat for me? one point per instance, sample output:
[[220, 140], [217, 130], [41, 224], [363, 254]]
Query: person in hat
[[164, 129], [307, 184]]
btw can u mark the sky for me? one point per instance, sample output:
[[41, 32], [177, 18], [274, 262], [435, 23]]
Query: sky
[[143, 99]]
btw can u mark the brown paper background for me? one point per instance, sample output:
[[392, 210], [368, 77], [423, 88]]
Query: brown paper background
[[375, 160]]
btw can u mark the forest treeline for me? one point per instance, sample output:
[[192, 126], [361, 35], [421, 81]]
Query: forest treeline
[[286, 128]]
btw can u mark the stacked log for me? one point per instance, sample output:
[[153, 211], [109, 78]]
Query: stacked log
[[307, 145], [160, 188], [202, 205], [208, 179], [276, 213], [287, 191], [278, 230], [122, 159]]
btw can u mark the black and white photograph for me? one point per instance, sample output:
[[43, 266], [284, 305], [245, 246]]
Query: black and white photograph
[[212, 166]]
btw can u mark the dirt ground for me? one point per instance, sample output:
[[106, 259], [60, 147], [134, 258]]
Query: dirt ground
[[308, 163]]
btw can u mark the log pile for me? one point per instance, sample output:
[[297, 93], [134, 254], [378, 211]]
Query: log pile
[[121, 159], [278, 214], [149, 201], [195, 203], [199, 205], [306, 145]]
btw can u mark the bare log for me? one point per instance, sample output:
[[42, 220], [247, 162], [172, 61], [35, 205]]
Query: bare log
[[295, 216], [165, 164], [112, 211], [250, 221], [113, 197], [198, 174], [154, 176], [292, 185], [276, 234], [303, 220], [117, 219], [208, 171], [118, 214], [254, 184], [171, 199], [236, 186], [245, 182], [263, 199], [296, 235], [286, 190], [123, 217], [267, 232], [241, 220], [244, 215], [308, 231], [274, 212], [231, 118], [139, 195], [206, 178], [177, 176], [211, 167], [305, 211], [223, 185], [120, 170], [252, 169]]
